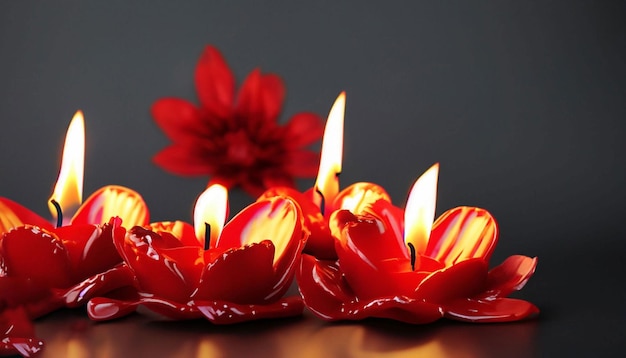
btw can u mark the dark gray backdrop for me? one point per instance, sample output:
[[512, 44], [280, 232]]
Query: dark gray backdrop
[[522, 103]]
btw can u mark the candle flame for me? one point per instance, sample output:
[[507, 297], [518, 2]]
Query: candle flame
[[327, 182], [211, 208], [420, 210], [68, 190]]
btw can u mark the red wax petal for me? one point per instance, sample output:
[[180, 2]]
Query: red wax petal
[[391, 215], [16, 291], [241, 275], [260, 98], [174, 234], [99, 285], [104, 309], [182, 160], [303, 129], [277, 179], [222, 312], [90, 248], [462, 280], [497, 310], [323, 287], [13, 215], [113, 201], [328, 296], [178, 119], [373, 261], [35, 253], [462, 233], [373, 240], [320, 242], [360, 196], [399, 308], [277, 218], [168, 273], [18, 334], [215, 83], [509, 276]]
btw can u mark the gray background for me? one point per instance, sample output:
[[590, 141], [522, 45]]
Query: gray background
[[521, 102]]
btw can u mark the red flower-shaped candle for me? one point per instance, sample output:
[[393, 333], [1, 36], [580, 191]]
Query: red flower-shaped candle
[[236, 139], [227, 273], [421, 277], [59, 259], [319, 202]]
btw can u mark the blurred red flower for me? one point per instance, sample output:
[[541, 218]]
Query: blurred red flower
[[236, 139]]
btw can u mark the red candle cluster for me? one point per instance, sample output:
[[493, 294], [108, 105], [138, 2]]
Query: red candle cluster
[[354, 254]]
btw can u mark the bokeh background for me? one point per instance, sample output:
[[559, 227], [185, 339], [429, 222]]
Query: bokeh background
[[522, 103]]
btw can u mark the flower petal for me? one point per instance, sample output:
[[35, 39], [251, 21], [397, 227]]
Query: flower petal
[[463, 280], [183, 160], [215, 83], [509, 276], [360, 196], [13, 215], [178, 119], [276, 219], [320, 242], [498, 310], [26, 249], [372, 260], [323, 287], [303, 129], [90, 248], [260, 98], [105, 308], [327, 294], [99, 285], [242, 275], [175, 234], [391, 216], [302, 163], [399, 308], [113, 201], [223, 312], [462, 233], [168, 273]]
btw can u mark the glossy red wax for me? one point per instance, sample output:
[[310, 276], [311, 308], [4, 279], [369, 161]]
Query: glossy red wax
[[355, 198], [62, 261], [239, 277], [18, 334], [375, 275]]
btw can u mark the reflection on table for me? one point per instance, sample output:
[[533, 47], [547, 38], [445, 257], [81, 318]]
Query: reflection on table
[[72, 334]]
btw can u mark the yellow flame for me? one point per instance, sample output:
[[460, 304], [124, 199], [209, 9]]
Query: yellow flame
[[327, 181], [211, 208], [420, 210], [68, 191]]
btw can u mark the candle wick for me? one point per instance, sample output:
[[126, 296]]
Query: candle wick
[[207, 236], [337, 174], [413, 255], [59, 212], [323, 204]]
